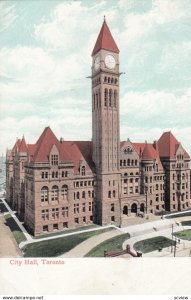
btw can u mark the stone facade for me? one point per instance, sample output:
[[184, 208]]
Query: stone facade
[[60, 184]]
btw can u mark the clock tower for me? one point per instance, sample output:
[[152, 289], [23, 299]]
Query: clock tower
[[105, 126]]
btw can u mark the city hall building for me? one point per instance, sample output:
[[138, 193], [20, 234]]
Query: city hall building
[[56, 184]]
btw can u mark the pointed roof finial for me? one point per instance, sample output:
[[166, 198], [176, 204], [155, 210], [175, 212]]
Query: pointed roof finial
[[104, 18]]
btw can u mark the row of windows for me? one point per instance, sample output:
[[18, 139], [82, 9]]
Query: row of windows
[[183, 186], [111, 194], [131, 190], [128, 162], [79, 195], [182, 196], [151, 168], [110, 98], [54, 174], [131, 174], [56, 213], [155, 178], [131, 180], [179, 176], [110, 80], [84, 183], [54, 193], [57, 226]]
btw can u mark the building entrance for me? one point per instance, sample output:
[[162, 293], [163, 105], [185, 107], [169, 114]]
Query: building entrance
[[134, 208], [125, 210]]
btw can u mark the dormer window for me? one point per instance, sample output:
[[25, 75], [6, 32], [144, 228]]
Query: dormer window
[[54, 160], [128, 150], [83, 170]]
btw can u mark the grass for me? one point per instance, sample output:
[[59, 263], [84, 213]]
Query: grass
[[153, 244], [184, 234], [17, 233], [66, 231], [114, 243], [186, 223], [188, 213], [56, 247], [3, 208]]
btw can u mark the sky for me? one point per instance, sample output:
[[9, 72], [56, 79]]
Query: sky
[[45, 59]]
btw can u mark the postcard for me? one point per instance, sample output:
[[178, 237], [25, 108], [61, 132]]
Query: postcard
[[95, 131]]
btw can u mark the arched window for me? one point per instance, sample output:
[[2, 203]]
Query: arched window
[[64, 192], [105, 97], [109, 194], [115, 99], [105, 79], [108, 79], [83, 171], [114, 193], [110, 97], [111, 80], [128, 162], [125, 174], [83, 194], [157, 187], [44, 194], [54, 193], [124, 162], [132, 162], [78, 195], [135, 162], [115, 80], [89, 194], [131, 174]]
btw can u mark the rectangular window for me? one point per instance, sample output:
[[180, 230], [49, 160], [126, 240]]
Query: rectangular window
[[54, 160], [76, 208], [65, 225], [65, 211], [83, 207], [76, 220], [84, 219], [90, 206], [113, 219]]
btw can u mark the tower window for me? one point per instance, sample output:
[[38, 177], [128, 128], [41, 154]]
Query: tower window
[[115, 98], [105, 79], [108, 79], [105, 97], [110, 97]]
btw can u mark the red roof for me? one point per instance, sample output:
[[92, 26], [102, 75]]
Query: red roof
[[23, 145], [149, 153], [105, 40], [69, 151], [16, 146], [167, 145]]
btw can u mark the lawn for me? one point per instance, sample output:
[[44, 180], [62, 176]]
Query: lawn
[[153, 244], [114, 243], [56, 247], [3, 208], [184, 234], [66, 231], [17, 233], [186, 223], [187, 213]]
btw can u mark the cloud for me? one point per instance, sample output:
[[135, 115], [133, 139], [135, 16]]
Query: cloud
[[154, 109], [7, 16], [34, 72]]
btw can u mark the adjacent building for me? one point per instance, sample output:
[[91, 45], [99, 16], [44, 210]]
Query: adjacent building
[[56, 184]]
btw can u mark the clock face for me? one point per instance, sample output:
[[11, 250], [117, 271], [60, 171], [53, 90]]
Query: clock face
[[110, 61], [97, 62]]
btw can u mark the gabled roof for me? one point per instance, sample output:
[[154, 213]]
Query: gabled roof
[[23, 145], [167, 145], [105, 40], [44, 145], [16, 146]]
